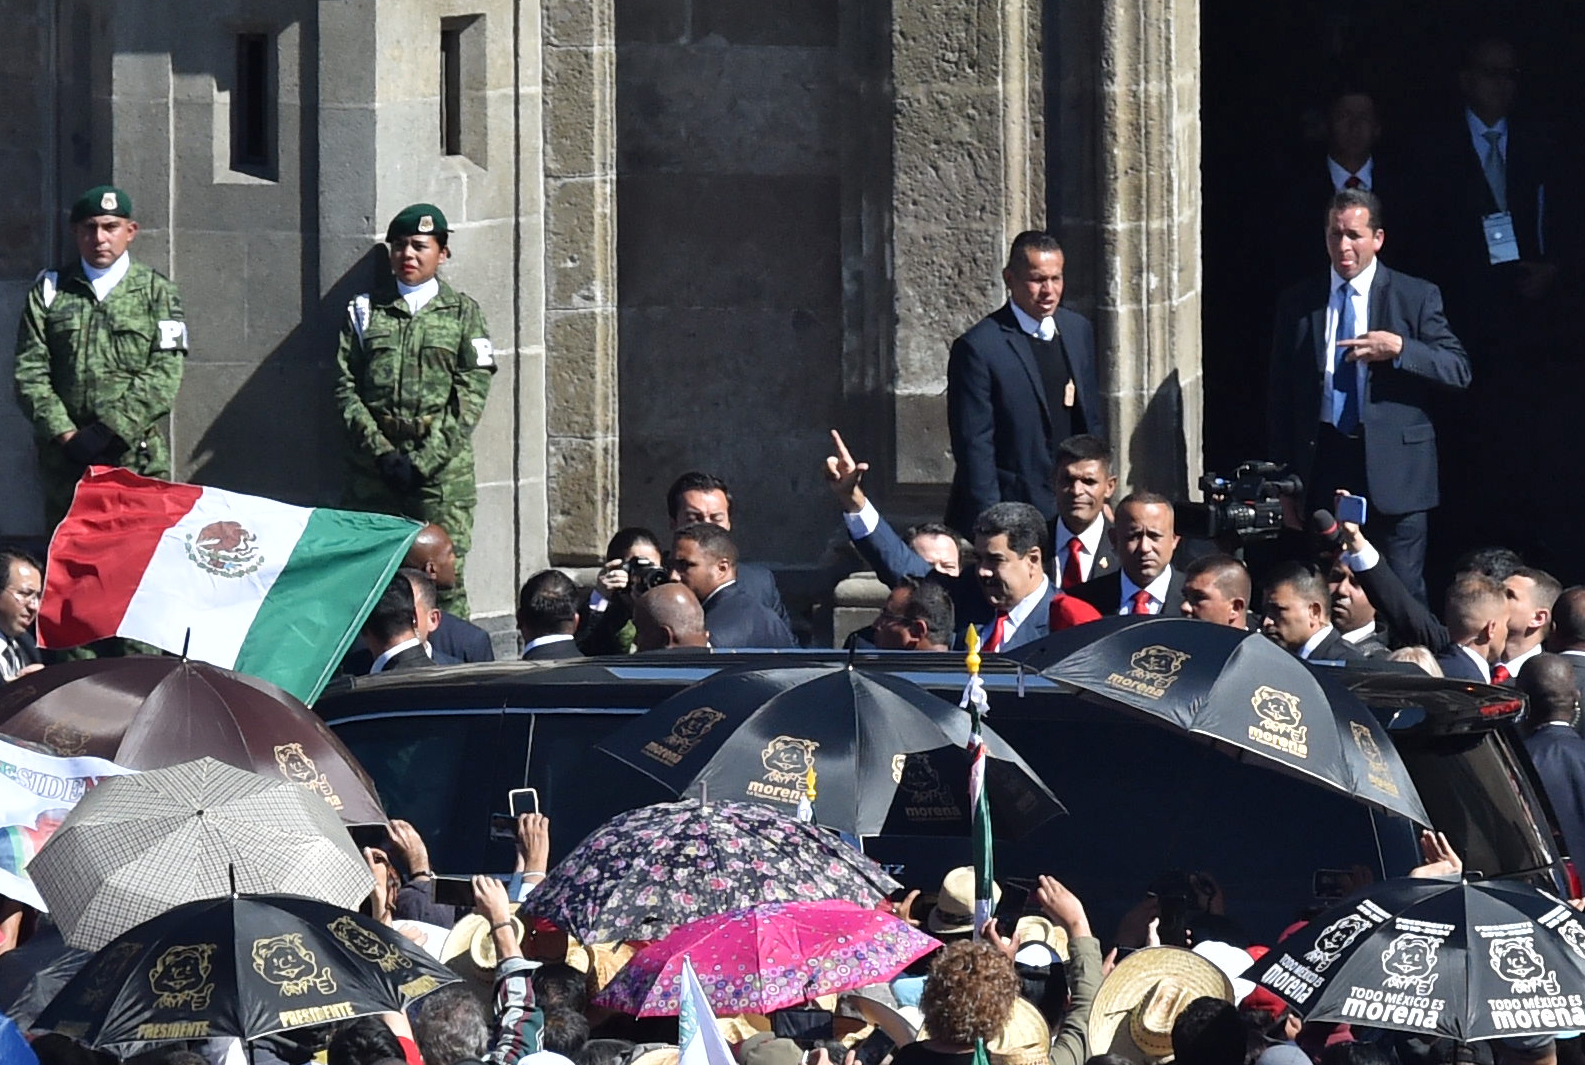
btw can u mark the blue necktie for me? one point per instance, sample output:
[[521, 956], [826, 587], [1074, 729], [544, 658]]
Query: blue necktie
[[1345, 376]]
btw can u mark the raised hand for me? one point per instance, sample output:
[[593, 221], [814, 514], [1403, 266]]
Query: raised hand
[[843, 474]]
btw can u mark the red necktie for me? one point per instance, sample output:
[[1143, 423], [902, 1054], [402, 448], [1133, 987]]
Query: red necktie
[[1141, 602], [998, 631], [1071, 574], [1353, 182], [1500, 675]]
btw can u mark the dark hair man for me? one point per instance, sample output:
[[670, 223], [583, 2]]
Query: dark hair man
[[19, 608], [547, 616], [1216, 588], [426, 612], [703, 497], [1018, 383], [391, 630], [917, 617], [1568, 632], [667, 616], [704, 558], [1554, 743], [453, 637], [937, 545], [1353, 613], [1008, 598], [1531, 595], [1361, 414], [1209, 1032], [1145, 537], [1082, 534], [1297, 612]]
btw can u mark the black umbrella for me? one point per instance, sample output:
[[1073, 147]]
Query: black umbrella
[[34, 973], [243, 967], [1438, 957], [1239, 690], [888, 756]]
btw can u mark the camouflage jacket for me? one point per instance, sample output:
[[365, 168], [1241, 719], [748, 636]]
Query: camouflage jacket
[[413, 383], [119, 362]]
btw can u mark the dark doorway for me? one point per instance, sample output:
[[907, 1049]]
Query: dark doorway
[[1267, 70]]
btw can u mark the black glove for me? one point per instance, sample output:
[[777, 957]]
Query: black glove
[[397, 471], [93, 442]]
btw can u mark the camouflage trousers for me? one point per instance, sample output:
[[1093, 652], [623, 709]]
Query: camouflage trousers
[[58, 475], [448, 502]]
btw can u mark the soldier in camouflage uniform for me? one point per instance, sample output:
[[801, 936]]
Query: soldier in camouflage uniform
[[99, 354], [414, 367]]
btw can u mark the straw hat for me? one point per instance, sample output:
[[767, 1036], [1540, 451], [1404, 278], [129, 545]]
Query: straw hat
[[954, 912], [1137, 1004], [1024, 1040], [469, 949], [1037, 929], [666, 1055], [599, 962], [901, 1023]]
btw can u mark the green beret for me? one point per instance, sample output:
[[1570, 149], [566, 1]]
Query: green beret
[[421, 219], [101, 199]]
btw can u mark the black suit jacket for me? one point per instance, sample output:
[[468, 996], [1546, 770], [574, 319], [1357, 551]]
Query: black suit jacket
[[893, 560], [1559, 758], [1106, 594], [412, 658], [736, 618], [559, 649], [27, 648], [998, 418], [1458, 665], [1105, 561], [760, 582], [1408, 620], [1336, 649], [1400, 441], [359, 661], [460, 640]]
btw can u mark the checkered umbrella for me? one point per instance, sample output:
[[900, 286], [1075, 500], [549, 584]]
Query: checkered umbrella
[[137, 846]]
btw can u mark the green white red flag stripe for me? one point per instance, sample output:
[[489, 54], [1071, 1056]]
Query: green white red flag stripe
[[239, 581], [976, 703]]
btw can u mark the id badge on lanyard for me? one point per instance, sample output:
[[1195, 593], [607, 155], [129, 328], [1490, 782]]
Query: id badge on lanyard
[[1502, 245]]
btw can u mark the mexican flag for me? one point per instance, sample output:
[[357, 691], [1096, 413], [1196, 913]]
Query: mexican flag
[[977, 704], [237, 581]]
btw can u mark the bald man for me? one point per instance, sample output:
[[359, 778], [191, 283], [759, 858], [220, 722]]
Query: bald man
[[1555, 745], [668, 616], [434, 553]]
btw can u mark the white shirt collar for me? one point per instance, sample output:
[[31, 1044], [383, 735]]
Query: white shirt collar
[[1361, 282], [1157, 589], [1315, 641], [384, 660], [1516, 663], [418, 295], [1580, 654], [1089, 536], [1479, 659], [1023, 608], [540, 641], [1359, 635], [1045, 329], [103, 281], [1341, 174], [717, 590]]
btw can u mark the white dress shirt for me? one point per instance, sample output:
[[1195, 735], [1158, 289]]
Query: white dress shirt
[[1090, 538], [103, 281], [1340, 174], [1516, 663], [1332, 400], [1314, 641], [1045, 329], [540, 641], [416, 296], [1361, 634], [1157, 589], [1479, 660]]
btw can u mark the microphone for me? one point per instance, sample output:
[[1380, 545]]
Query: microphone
[[1324, 527]]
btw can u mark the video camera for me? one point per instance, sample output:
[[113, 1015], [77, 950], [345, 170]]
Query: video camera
[[1246, 507]]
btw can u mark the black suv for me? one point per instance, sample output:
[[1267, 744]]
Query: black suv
[[445, 745]]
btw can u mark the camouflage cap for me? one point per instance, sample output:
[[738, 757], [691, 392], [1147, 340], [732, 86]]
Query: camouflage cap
[[101, 199], [421, 219]]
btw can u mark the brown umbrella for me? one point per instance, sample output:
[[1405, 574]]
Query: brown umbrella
[[149, 712]]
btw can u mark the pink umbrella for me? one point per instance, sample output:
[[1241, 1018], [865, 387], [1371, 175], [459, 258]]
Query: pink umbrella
[[768, 957]]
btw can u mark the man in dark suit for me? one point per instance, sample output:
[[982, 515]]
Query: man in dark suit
[[19, 608], [1555, 746], [1297, 615], [1018, 383], [1568, 632], [1355, 362], [704, 558], [702, 497], [1469, 645], [390, 633], [1354, 614], [1008, 598], [547, 616], [1082, 535], [1145, 582], [453, 638]]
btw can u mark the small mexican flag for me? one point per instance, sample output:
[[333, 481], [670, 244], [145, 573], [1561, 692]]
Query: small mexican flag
[[237, 581], [977, 704]]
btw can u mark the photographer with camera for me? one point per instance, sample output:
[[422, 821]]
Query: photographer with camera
[[633, 566]]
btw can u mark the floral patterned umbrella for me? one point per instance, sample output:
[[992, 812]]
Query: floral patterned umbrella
[[646, 871], [769, 957]]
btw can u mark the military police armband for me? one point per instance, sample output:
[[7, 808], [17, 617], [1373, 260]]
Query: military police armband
[[483, 353], [173, 335]]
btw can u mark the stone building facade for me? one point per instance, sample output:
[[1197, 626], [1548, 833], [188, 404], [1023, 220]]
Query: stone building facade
[[703, 231]]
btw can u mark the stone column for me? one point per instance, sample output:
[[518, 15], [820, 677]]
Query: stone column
[[968, 174], [1147, 232], [579, 57]]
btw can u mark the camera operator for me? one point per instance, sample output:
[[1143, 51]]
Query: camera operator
[[633, 566]]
